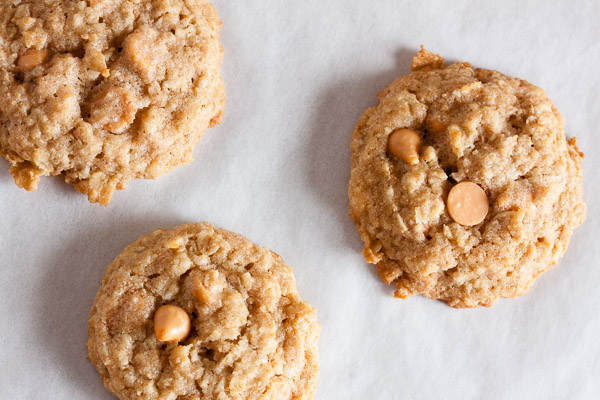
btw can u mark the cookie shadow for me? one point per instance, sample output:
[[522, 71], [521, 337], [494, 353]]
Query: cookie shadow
[[329, 156], [45, 184], [5, 177], [67, 292]]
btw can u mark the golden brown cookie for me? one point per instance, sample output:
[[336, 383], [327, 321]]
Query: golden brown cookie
[[106, 91], [481, 197], [197, 312]]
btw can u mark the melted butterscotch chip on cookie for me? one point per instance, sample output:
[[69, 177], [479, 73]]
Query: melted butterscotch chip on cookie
[[114, 109], [106, 91], [31, 58], [146, 51], [482, 196]]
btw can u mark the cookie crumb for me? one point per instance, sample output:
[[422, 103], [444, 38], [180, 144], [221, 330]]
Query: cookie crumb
[[426, 60]]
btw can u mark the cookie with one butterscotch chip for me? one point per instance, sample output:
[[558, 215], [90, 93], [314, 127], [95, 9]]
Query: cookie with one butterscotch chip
[[105, 91], [463, 186], [197, 312]]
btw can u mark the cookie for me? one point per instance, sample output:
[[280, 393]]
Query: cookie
[[105, 91], [463, 186], [197, 312]]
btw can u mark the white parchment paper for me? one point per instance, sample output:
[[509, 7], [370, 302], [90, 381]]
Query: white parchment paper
[[299, 74]]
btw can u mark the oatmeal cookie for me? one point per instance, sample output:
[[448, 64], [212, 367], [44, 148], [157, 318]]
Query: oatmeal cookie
[[197, 312], [105, 91], [463, 186]]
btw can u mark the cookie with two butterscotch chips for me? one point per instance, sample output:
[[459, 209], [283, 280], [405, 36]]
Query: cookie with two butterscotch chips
[[463, 186]]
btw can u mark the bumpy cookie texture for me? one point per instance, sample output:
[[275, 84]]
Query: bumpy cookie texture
[[476, 125], [105, 91], [251, 335]]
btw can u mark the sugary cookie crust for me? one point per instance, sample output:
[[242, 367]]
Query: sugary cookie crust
[[105, 91], [476, 125], [252, 336]]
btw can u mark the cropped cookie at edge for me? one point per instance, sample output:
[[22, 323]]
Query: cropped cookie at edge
[[106, 91], [197, 312], [463, 185]]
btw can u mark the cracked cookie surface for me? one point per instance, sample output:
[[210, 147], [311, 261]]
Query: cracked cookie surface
[[479, 126], [105, 91], [251, 337]]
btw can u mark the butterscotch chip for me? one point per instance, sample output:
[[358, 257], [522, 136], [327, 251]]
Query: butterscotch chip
[[494, 198], [404, 143], [467, 203], [106, 91], [171, 323], [114, 109], [250, 336], [31, 58]]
